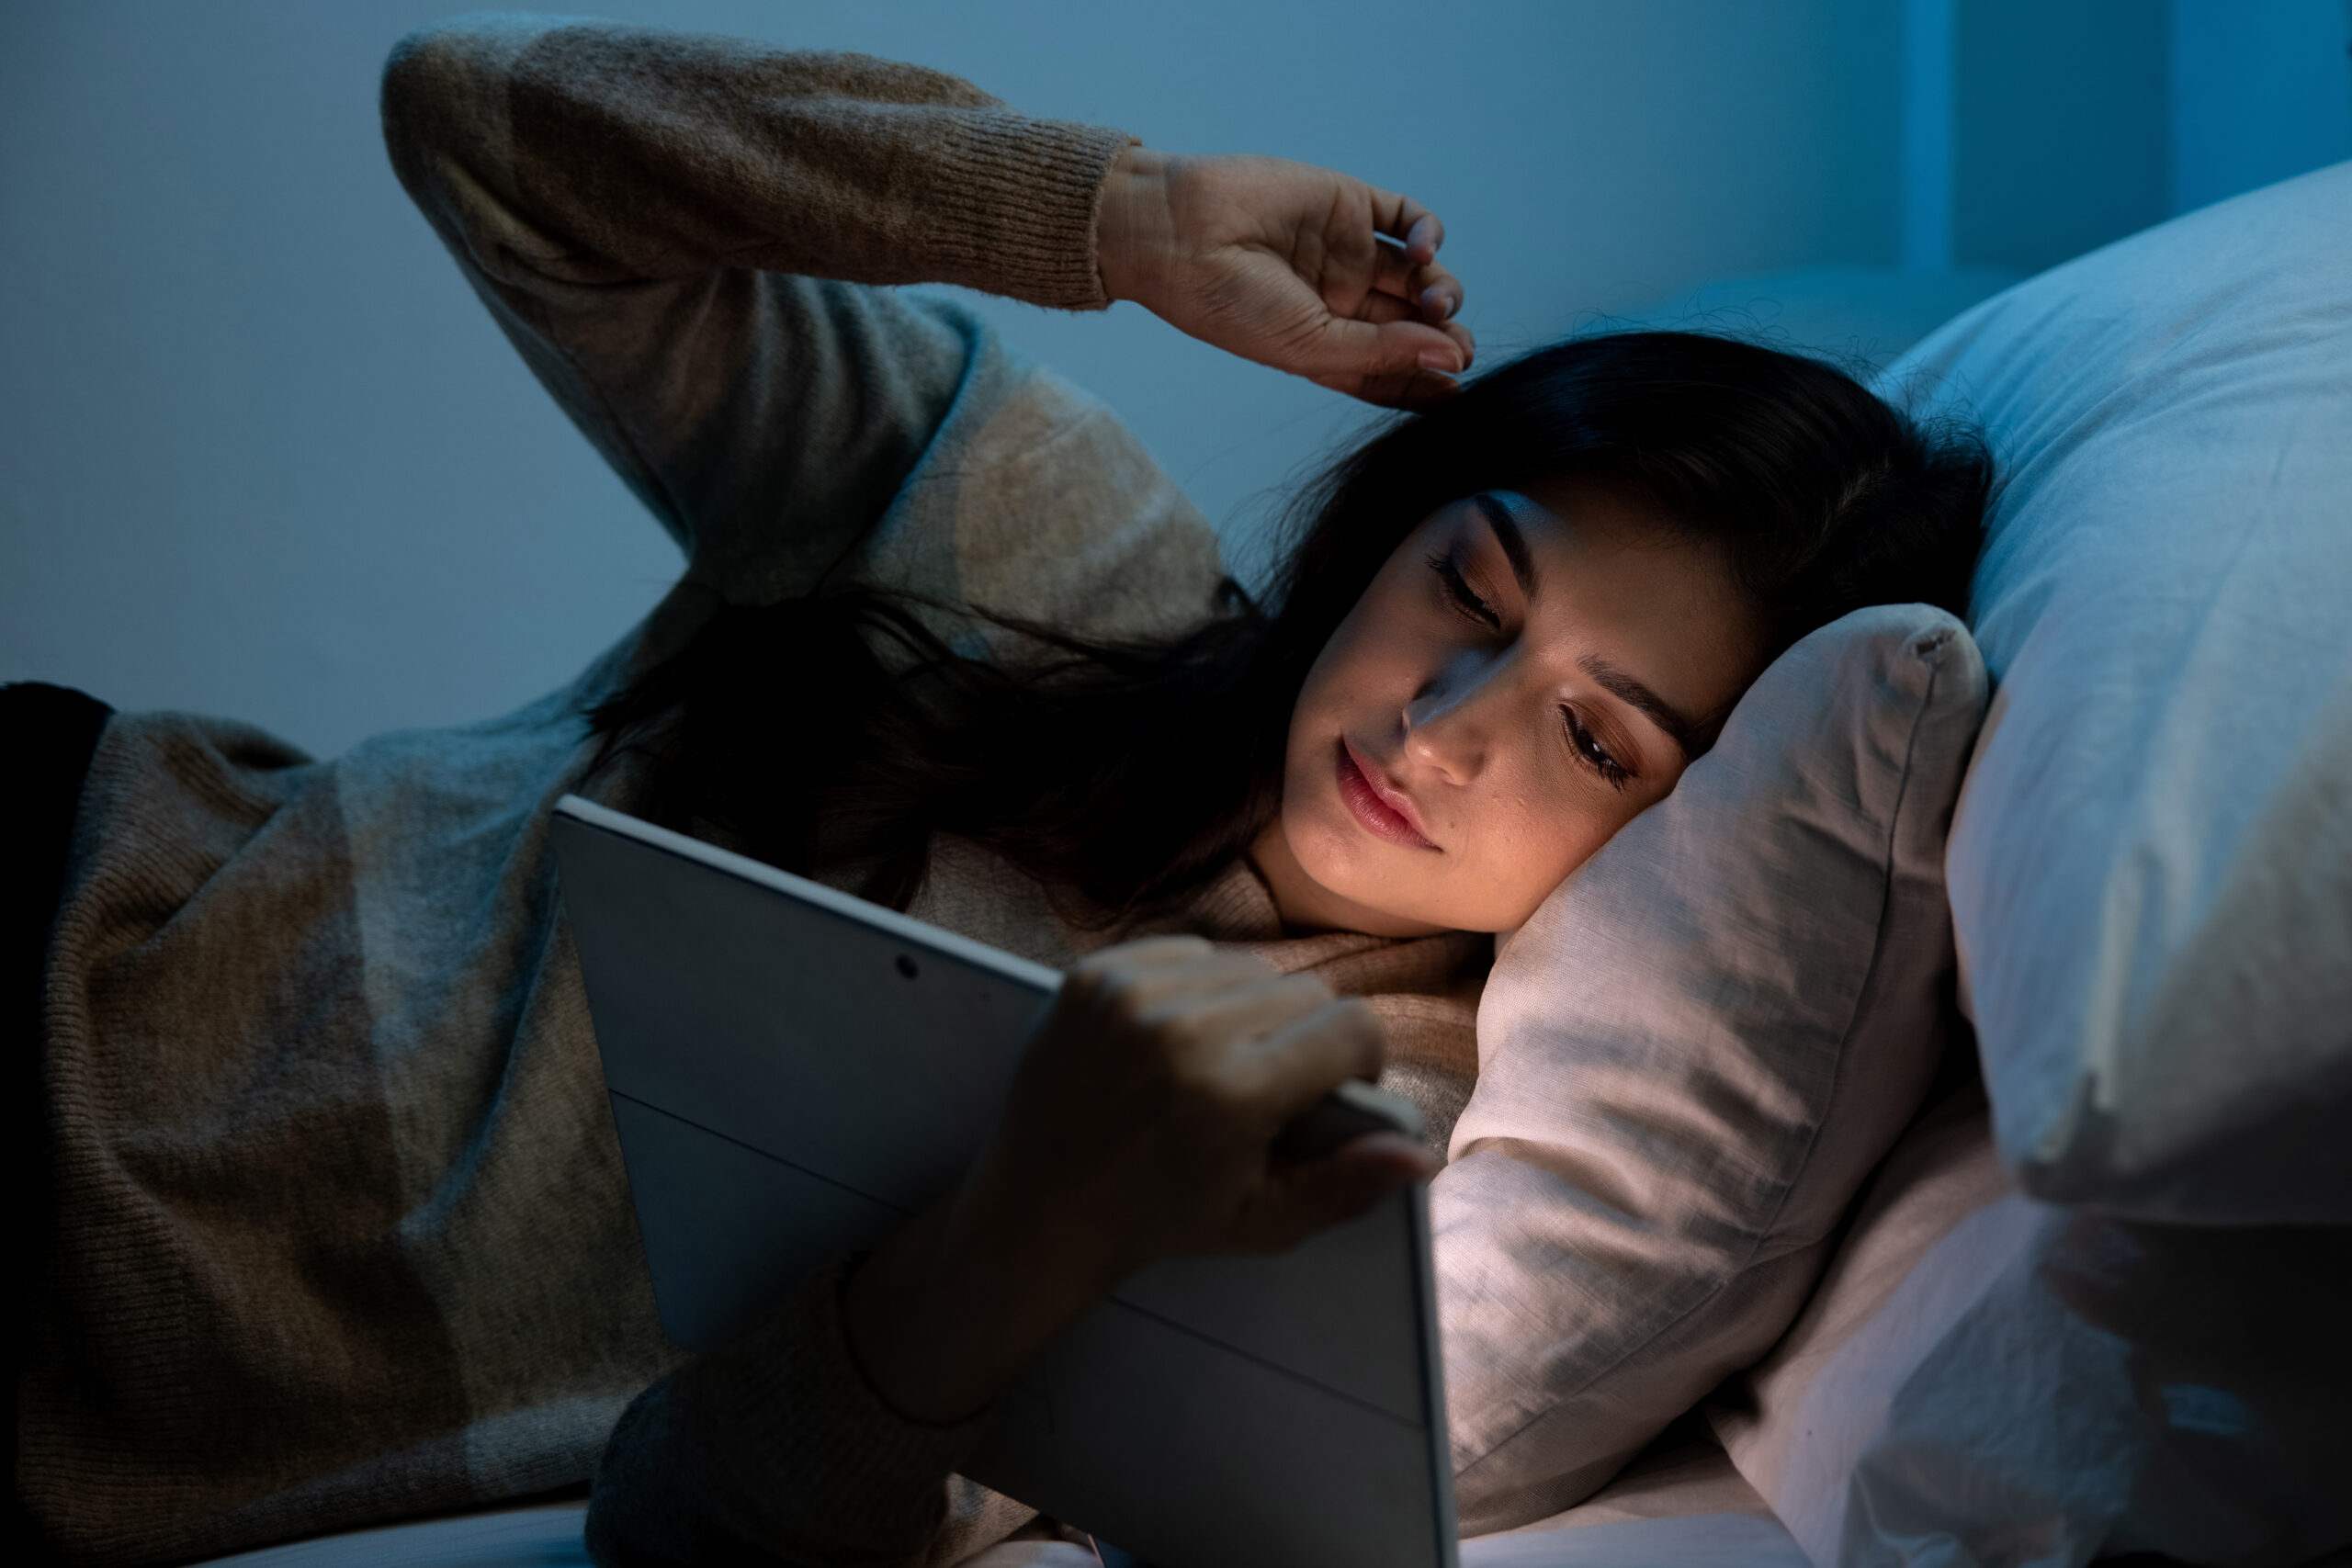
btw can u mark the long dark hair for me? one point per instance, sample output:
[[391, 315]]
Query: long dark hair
[[1131, 775]]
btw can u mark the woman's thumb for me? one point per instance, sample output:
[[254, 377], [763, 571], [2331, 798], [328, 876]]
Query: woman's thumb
[[1340, 1186]]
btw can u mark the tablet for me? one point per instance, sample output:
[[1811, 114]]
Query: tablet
[[795, 1073]]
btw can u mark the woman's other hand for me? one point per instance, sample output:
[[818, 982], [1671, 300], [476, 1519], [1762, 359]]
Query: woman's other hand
[[1286, 264], [1140, 1126]]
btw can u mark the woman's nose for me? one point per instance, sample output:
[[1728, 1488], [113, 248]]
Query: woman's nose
[[1447, 724]]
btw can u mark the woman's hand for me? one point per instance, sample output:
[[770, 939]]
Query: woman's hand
[[1142, 1123], [1283, 263], [1141, 1126]]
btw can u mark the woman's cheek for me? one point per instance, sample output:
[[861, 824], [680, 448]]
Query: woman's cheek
[[1537, 842]]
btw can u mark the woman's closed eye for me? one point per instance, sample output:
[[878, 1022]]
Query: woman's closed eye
[[1468, 603], [1592, 753], [1461, 595]]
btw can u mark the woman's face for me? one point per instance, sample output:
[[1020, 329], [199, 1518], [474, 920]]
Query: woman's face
[[1529, 670]]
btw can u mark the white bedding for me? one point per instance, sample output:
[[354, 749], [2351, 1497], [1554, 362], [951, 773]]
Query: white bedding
[[1684, 1509]]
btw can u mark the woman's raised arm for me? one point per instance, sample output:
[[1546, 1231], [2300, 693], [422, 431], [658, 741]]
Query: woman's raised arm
[[670, 229], [649, 215]]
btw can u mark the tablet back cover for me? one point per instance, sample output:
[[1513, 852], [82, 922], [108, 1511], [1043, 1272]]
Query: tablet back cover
[[795, 1073]]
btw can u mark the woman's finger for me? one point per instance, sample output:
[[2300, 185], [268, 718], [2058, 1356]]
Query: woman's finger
[[1378, 309], [1392, 273], [1410, 224], [1464, 340], [1417, 298], [1434, 292], [1306, 1059], [1437, 293], [1375, 349], [1234, 1019], [1144, 953], [1298, 1202]]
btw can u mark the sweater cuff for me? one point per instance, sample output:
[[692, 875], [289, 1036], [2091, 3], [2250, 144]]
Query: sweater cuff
[[1018, 204]]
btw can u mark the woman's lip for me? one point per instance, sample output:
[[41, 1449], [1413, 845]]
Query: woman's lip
[[1385, 810]]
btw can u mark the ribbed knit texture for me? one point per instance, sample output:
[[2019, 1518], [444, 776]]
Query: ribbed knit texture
[[341, 1232]]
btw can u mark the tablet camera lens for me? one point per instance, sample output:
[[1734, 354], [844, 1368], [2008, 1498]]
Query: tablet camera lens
[[905, 966]]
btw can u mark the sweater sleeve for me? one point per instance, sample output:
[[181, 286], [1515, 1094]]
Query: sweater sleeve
[[675, 231], [775, 1448]]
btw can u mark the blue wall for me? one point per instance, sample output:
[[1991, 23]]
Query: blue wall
[[262, 453], [2260, 89], [2060, 140]]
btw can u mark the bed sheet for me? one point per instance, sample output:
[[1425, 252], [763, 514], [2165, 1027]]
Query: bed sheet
[[1684, 1508]]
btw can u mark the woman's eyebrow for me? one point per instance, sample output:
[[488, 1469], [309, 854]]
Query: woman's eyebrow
[[1693, 737], [1683, 731], [1507, 535]]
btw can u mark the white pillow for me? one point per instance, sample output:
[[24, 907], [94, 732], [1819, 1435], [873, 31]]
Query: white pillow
[[2152, 866], [1689, 1058], [1982, 1378]]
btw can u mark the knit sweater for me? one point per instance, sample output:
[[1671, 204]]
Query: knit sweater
[[341, 1232]]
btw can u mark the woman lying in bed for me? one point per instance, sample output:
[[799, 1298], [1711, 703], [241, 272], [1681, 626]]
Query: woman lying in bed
[[338, 1227]]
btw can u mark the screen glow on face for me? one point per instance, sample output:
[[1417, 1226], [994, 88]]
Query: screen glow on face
[[1527, 671]]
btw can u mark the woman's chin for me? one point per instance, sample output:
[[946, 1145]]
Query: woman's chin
[[1327, 874]]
